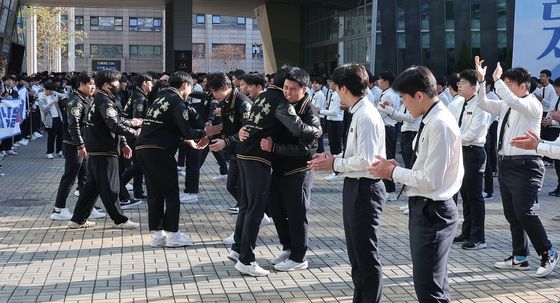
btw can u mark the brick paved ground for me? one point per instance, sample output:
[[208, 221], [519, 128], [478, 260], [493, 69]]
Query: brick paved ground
[[40, 260]]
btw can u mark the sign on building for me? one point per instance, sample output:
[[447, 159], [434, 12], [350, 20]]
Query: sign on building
[[97, 65], [537, 36]]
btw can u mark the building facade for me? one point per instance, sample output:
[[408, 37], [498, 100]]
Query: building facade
[[224, 43], [442, 34]]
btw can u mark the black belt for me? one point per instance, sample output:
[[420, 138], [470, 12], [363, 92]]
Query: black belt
[[425, 199], [363, 178], [519, 157], [473, 147]]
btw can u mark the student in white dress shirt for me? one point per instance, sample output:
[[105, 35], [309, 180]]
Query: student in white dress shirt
[[389, 98], [490, 146], [547, 95], [553, 127], [521, 171], [430, 184], [363, 196], [441, 85], [318, 100]]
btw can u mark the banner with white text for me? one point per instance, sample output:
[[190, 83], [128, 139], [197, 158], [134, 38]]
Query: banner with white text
[[537, 35], [11, 116]]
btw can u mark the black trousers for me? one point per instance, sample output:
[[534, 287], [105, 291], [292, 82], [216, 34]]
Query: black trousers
[[321, 144], [520, 180], [362, 205], [131, 171], [474, 162], [102, 180], [432, 226], [407, 149], [254, 187], [35, 120], [74, 167], [6, 144], [288, 203], [233, 180], [192, 169], [335, 133], [54, 135], [220, 158], [390, 151], [160, 170], [491, 157]]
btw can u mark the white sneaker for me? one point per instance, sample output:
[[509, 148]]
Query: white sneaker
[[95, 214], [159, 237], [74, 225], [233, 210], [391, 196], [23, 142], [62, 215], [252, 269], [266, 220], [77, 193], [182, 173], [283, 256], [403, 207], [536, 206], [406, 211], [233, 256], [188, 198], [177, 239], [547, 265], [11, 152], [37, 134], [289, 265], [180, 168], [16, 144], [50, 156], [220, 178], [229, 240], [59, 154], [127, 225], [333, 177], [129, 186]]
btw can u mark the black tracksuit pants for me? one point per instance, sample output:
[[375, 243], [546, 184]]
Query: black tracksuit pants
[[74, 167]]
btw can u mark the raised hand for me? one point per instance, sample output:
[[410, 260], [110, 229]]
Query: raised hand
[[480, 71]]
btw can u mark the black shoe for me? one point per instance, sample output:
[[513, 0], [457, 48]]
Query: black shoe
[[142, 197], [126, 204], [474, 246], [460, 238], [554, 193]]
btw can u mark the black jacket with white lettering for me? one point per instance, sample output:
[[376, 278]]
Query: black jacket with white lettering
[[105, 129], [76, 111], [137, 105], [291, 153], [269, 113], [168, 122]]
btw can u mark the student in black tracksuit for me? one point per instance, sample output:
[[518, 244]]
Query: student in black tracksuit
[[290, 171], [73, 148], [268, 114], [136, 107], [105, 136], [168, 122], [235, 108]]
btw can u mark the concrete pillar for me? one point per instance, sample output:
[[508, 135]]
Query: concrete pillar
[[280, 25], [178, 35], [71, 40], [31, 44]]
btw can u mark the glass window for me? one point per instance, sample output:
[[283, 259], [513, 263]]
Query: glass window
[[145, 24], [450, 14], [501, 20], [475, 14], [94, 21], [145, 51], [401, 40], [106, 50], [216, 19], [425, 14], [425, 40], [79, 23], [133, 22], [200, 19], [64, 19], [79, 50], [475, 39], [157, 23], [450, 39], [400, 15], [501, 39], [106, 23], [240, 20]]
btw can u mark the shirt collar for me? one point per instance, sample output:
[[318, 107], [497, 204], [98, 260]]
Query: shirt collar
[[357, 106], [433, 112]]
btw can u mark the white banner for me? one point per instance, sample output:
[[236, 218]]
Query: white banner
[[11, 116], [537, 36]]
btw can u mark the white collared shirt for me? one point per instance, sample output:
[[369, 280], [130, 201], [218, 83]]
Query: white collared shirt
[[549, 149], [318, 100], [402, 115], [390, 96], [455, 105], [366, 139], [374, 94], [550, 96], [438, 171], [443, 98], [333, 112], [474, 125], [526, 114]]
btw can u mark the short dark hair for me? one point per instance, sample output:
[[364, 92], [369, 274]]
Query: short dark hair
[[441, 80], [318, 80], [298, 75], [416, 79], [217, 81], [556, 82], [469, 75], [238, 73], [254, 79], [49, 86], [178, 78], [83, 77], [280, 76], [452, 81], [140, 78], [352, 76], [388, 76], [518, 75], [106, 76], [546, 72], [371, 77]]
